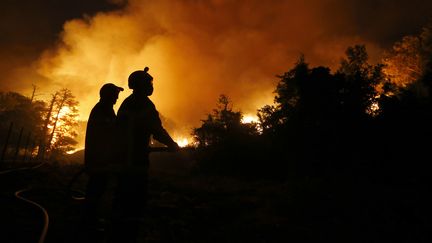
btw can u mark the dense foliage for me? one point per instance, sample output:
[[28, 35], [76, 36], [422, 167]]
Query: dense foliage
[[322, 123], [38, 128]]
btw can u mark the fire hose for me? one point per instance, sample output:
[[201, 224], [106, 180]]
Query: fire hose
[[45, 213], [18, 195]]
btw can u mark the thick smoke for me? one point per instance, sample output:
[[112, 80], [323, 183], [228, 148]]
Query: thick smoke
[[197, 50]]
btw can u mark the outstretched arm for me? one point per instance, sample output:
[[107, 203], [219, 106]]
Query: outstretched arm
[[160, 134]]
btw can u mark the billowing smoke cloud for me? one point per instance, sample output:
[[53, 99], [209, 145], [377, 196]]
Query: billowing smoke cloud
[[27, 27], [197, 50]]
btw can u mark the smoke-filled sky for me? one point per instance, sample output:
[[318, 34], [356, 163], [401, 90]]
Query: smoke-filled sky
[[196, 50]]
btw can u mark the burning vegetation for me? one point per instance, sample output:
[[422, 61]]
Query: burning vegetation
[[353, 137], [303, 95]]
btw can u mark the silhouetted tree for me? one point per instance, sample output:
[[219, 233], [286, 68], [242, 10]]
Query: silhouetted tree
[[361, 80], [410, 59], [63, 122], [270, 119], [45, 129], [24, 113], [403, 63], [222, 124], [225, 144], [58, 131], [276, 118]]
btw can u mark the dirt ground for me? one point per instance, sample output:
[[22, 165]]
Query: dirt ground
[[183, 206]]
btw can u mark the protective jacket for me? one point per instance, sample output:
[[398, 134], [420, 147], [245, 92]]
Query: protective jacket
[[138, 120], [100, 135]]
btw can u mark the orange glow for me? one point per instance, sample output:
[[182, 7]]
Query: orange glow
[[60, 123], [190, 50], [63, 111], [74, 150], [195, 53], [249, 119], [373, 109], [403, 64], [182, 142]]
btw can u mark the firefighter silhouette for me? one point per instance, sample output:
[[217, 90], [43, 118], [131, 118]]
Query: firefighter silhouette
[[98, 155], [138, 121]]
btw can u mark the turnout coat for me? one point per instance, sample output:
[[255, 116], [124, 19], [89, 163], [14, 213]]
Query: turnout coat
[[138, 120]]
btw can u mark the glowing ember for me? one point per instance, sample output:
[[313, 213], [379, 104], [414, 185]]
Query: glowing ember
[[249, 119], [74, 150], [59, 123], [375, 107], [64, 111], [182, 142]]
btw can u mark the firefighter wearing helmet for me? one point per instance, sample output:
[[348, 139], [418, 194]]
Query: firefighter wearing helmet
[[138, 121]]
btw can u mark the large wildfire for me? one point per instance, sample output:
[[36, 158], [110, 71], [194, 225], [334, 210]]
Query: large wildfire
[[196, 51]]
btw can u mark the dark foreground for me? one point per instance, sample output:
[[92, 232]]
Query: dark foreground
[[186, 207]]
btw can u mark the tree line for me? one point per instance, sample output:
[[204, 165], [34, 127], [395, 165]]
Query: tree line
[[351, 146], [37, 129], [324, 122]]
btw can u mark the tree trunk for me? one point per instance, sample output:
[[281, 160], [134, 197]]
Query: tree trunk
[[42, 146]]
